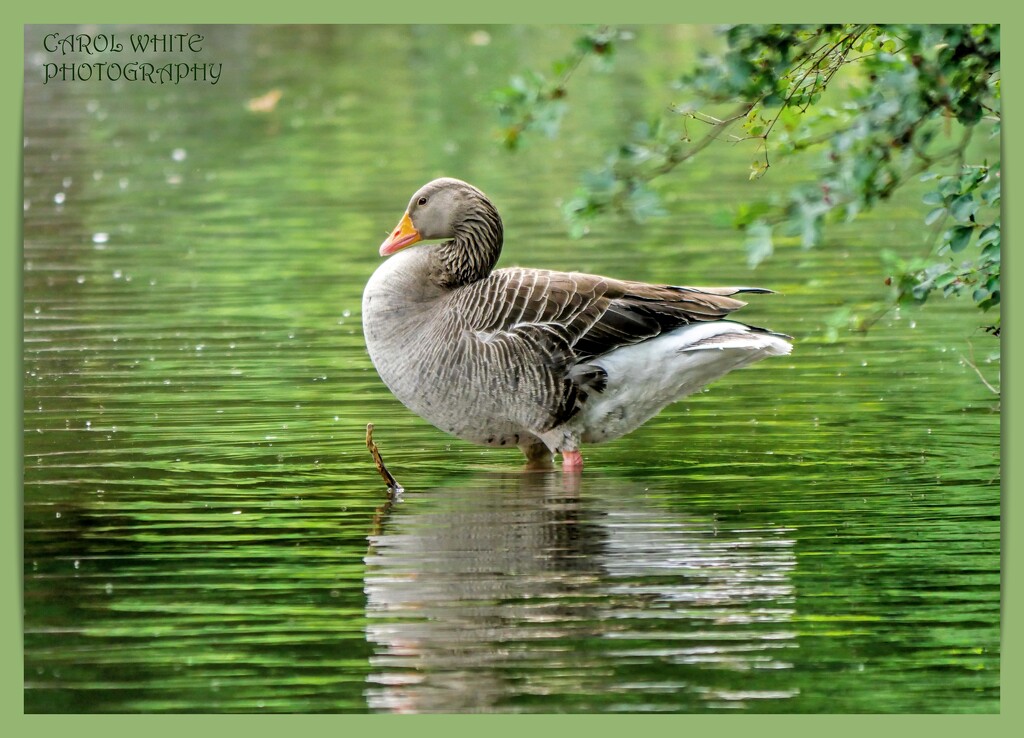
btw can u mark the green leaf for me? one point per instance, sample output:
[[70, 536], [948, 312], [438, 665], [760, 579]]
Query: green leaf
[[991, 233], [963, 207], [949, 186], [748, 212], [759, 243], [960, 237], [577, 229], [991, 252], [810, 231], [991, 195], [934, 215], [840, 318], [644, 204]]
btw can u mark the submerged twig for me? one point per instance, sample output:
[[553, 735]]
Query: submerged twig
[[394, 488], [381, 515], [973, 365]]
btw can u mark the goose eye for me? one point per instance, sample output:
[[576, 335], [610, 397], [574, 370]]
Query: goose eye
[[422, 201]]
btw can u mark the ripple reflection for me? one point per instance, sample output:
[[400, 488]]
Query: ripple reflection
[[516, 592]]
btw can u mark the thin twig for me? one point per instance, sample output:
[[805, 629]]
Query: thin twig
[[394, 488], [971, 363], [850, 39], [868, 323], [718, 127]]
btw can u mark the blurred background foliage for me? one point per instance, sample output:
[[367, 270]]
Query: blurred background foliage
[[915, 104]]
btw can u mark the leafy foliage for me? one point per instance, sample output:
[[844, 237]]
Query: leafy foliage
[[915, 97], [535, 101]]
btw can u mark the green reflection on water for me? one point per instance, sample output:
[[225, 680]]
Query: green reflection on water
[[818, 533]]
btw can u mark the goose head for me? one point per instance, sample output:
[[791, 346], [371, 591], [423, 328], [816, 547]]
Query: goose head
[[461, 215]]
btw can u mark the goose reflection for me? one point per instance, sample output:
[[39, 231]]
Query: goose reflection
[[509, 590]]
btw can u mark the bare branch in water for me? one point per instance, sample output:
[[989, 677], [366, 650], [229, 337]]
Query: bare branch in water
[[394, 488], [973, 365]]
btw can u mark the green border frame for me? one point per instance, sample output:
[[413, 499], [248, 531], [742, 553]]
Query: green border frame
[[406, 11]]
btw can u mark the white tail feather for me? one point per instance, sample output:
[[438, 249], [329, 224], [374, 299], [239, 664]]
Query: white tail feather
[[644, 378]]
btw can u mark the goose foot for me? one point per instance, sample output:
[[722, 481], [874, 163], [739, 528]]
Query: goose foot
[[538, 457], [572, 461], [538, 465]]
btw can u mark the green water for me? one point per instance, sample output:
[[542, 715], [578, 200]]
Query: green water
[[203, 528]]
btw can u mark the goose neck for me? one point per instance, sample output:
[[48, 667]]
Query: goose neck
[[471, 255]]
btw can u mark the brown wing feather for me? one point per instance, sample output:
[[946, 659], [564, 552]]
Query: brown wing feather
[[566, 318], [592, 314]]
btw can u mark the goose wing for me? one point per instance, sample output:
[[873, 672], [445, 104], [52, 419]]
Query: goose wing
[[585, 315], [556, 321]]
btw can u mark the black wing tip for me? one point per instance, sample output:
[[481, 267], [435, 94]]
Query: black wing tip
[[769, 331], [724, 291]]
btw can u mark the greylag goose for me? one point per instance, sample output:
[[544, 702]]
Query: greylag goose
[[538, 359]]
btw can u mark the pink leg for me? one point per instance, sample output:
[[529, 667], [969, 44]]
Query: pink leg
[[572, 461]]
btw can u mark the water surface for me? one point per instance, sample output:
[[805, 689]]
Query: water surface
[[202, 523]]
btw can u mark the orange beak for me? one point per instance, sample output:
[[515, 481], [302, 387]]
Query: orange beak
[[404, 235]]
